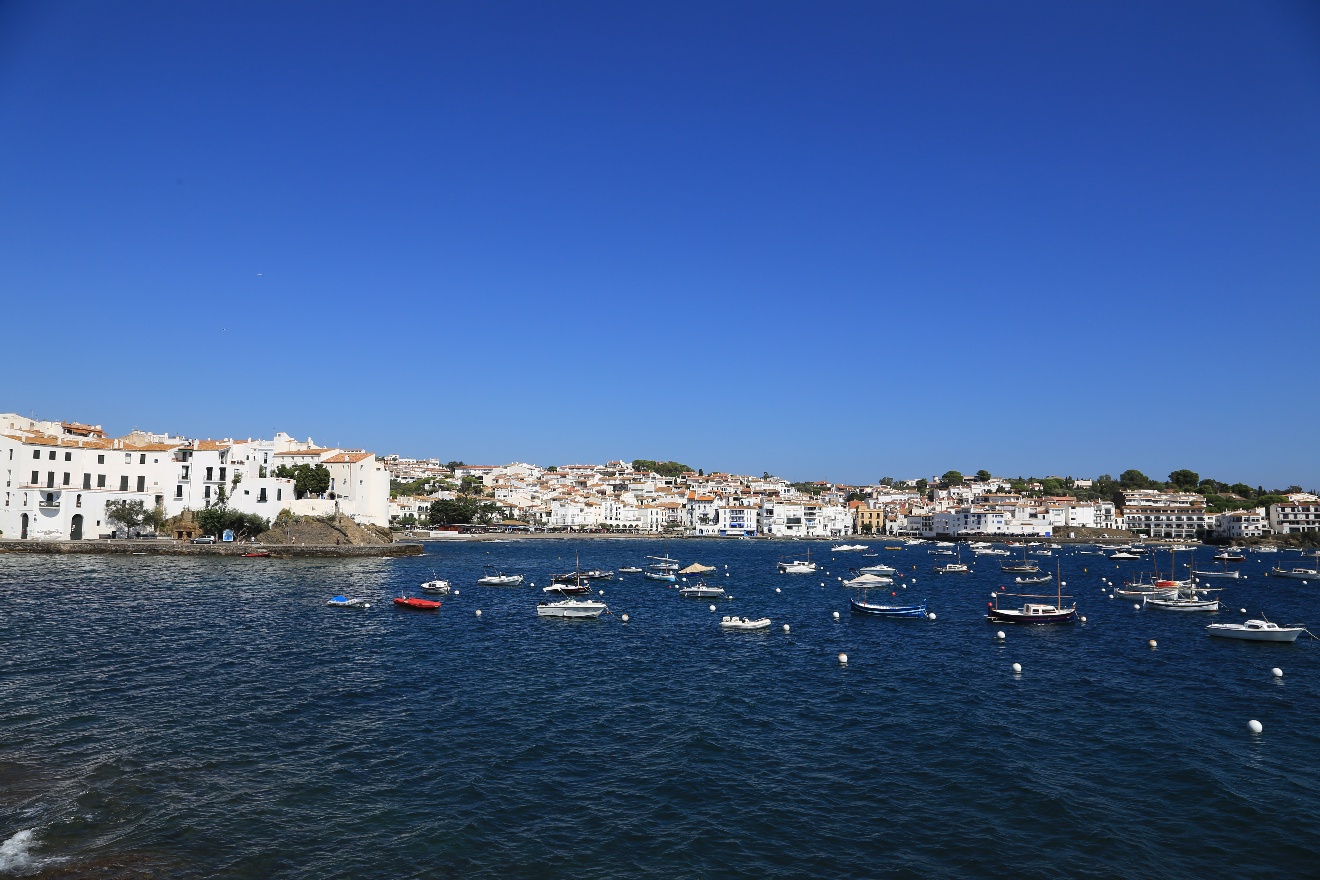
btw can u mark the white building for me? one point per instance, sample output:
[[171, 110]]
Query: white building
[[1180, 515], [1238, 524], [1301, 513]]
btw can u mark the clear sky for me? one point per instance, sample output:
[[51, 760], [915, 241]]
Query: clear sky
[[828, 240]]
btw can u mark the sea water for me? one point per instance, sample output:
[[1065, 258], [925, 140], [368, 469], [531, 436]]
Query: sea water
[[166, 717]]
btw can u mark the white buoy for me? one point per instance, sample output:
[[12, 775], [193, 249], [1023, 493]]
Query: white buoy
[[1277, 672], [726, 568], [1111, 595], [931, 615], [992, 595], [726, 574], [785, 627], [1083, 620], [843, 659], [1255, 726], [1243, 610], [822, 583], [777, 590], [602, 592], [712, 608], [478, 612], [456, 591], [836, 615], [1136, 607], [1061, 583], [624, 618], [1017, 668], [1000, 635], [1153, 643]]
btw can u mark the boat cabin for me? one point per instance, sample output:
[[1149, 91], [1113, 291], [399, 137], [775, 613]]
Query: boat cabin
[[1031, 610]]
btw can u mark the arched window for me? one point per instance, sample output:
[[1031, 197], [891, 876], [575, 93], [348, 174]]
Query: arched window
[[78, 501]]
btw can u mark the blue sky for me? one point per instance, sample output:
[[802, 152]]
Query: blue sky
[[835, 241]]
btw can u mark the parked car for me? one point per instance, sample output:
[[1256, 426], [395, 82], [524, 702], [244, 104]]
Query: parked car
[[204, 539]]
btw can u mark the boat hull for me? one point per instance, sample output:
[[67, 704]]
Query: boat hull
[[887, 610], [1232, 631], [417, 604], [1206, 605], [575, 611], [1010, 615], [1300, 574]]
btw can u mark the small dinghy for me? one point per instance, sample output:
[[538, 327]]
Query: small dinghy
[[877, 610], [416, 604], [745, 623], [1255, 631], [257, 554], [344, 602]]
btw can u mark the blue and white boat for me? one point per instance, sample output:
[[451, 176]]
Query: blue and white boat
[[345, 602], [877, 610]]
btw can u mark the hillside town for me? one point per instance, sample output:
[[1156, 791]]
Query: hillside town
[[70, 480], [623, 497]]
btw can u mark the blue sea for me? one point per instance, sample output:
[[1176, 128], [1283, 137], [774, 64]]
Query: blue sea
[[166, 717]]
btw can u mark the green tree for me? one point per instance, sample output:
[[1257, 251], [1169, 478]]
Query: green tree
[[451, 512], [663, 468], [1133, 479], [983, 475], [311, 480], [155, 518], [951, 478], [922, 484], [1185, 480], [128, 513], [454, 464], [886, 481]]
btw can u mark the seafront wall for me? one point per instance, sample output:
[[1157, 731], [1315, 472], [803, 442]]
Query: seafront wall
[[170, 548]]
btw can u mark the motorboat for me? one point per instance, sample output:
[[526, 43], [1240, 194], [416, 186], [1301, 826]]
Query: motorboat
[[745, 623], [571, 608], [1124, 554], [878, 610], [1042, 552], [842, 548], [990, 551], [878, 568], [1298, 573], [868, 580], [799, 566], [630, 569], [701, 590], [500, 579], [1255, 631], [952, 568], [436, 587], [345, 602], [416, 604], [1156, 587], [940, 552], [1266, 548], [594, 574], [1041, 579], [667, 576], [663, 563], [1229, 555], [1031, 612]]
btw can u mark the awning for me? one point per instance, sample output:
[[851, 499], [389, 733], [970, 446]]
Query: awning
[[697, 568]]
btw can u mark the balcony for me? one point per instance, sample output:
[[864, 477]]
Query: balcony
[[48, 503]]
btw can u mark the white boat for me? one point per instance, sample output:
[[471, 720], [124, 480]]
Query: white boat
[[943, 543], [799, 566], [842, 548], [868, 580], [630, 569], [1124, 554], [1255, 631], [1042, 552], [1192, 603], [991, 551], [940, 552], [952, 568], [436, 587], [663, 563], [500, 579], [701, 590], [1266, 548], [1182, 548], [1217, 574], [878, 568], [574, 608], [1301, 574], [745, 623], [344, 602]]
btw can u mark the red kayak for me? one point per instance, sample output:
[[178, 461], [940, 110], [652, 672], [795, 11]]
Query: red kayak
[[417, 604], [259, 554]]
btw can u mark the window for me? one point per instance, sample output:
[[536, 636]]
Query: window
[[87, 481], [209, 473], [68, 456], [178, 491], [123, 484], [142, 484], [279, 494], [100, 459], [128, 458], [36, 453], [206, 492], [78, 502], [36, 477], [222, 475], [142, 459], [261, 496], [52, 455], [66, 478], [100, 481]]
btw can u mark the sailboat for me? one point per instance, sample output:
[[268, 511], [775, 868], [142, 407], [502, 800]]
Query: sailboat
[[958, 567], [1303, 574], [1034, 612], [574, 584], [798, 566], [1026, 566]]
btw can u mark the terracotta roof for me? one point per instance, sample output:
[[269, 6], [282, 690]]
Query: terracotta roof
[[303, 452], [211, 445], [348, 458]]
